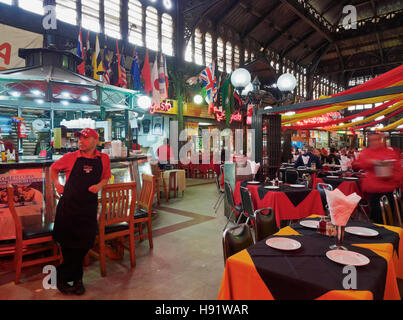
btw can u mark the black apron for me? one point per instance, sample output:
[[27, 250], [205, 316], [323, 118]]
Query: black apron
[[76, 213]]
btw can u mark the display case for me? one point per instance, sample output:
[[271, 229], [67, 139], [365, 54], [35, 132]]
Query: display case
[[34, 193]]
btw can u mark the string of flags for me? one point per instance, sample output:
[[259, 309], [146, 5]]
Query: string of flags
[[111, 68]]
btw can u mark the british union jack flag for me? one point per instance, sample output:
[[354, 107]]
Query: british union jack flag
[[209, 82]]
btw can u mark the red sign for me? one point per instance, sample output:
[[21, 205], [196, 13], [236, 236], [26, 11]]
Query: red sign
[[320, 119], [236, 116], [163, 106]]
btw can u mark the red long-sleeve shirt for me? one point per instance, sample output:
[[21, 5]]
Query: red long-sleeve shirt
[[373, 184]]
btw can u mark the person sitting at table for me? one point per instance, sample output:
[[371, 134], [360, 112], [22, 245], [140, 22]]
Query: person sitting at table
[[312, 159], [374, 184], [333, 158]]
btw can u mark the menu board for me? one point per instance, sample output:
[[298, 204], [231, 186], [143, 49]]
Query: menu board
[[28, 190]]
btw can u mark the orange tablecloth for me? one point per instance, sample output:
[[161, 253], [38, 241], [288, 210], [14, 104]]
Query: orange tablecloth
[[241, 280]]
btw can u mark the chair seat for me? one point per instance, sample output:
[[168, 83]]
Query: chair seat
[[140, 213], [34, 232], [116, 227]]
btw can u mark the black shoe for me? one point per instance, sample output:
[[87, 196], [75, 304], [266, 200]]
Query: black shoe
[[64, 287], [78, 287]]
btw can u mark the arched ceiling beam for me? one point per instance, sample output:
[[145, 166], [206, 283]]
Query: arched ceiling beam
[[262, 19]]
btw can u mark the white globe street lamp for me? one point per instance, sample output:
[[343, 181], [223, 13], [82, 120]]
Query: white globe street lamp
[[144, 102], [286, 82], [240, 78], [198, 99]]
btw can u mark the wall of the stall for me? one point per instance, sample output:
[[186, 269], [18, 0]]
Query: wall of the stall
[[152, 130]]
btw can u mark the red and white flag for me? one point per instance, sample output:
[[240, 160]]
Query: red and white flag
[[163, 78], [155, 83]]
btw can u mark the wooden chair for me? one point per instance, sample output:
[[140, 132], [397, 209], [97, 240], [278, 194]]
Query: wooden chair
[[143, 210], [31, 240], [116, 220], [234, 242]]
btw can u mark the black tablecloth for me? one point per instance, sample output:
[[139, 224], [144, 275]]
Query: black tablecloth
[[295, 195], [307, 273]]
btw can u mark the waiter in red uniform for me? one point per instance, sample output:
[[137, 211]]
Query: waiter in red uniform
[[374, 186], [87, 171]]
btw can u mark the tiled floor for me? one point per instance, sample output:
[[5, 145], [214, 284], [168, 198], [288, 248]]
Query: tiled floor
[[186, 262]]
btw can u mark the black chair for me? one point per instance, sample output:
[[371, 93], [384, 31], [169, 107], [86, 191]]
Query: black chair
[[220, 193], [291, 176], [247, 205], [397, 196], [265, 225], [235, 210], [321, 187], [234, 242], [388, 216]]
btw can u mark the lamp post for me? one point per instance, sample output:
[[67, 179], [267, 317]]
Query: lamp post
[[280, 93]]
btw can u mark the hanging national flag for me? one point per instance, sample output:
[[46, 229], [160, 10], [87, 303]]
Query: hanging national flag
[[163, 78], [209, 82], [80, 53], [107, 66], [155, 83], [119, 70], [146, 75], [97, 60], [123, 81], [87, 46], [135, 72], [88, 57]]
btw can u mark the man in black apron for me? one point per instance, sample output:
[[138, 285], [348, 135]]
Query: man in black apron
[[87, 171]]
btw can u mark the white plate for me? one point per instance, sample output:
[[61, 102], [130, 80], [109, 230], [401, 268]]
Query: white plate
[[333, 177], [313, 224], [297, 185], [272, 187], [348, 258], [283, 243], [254, 182], [350, 178], [361, 231]]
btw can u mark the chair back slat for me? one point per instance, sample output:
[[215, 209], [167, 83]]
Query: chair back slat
[[145, 200], [229, 195], [247, 203], [398, 206], [291, 176], [235, 242], [387, 214], [265, 225], [118, 203], [16, 218]]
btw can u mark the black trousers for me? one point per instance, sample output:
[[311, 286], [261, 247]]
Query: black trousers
[[375, 207], [72, 267]]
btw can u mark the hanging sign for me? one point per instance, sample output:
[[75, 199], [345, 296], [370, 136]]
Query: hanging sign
[[162, 107], [21, 130], [320, 119], [236, 116]]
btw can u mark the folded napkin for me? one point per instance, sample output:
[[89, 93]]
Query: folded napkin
[[254, 167], [340, 206], [345, 163]]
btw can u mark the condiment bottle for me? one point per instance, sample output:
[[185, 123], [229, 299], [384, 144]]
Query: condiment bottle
[[322, 225]]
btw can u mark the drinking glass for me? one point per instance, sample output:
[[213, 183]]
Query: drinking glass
[[339, 239]]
